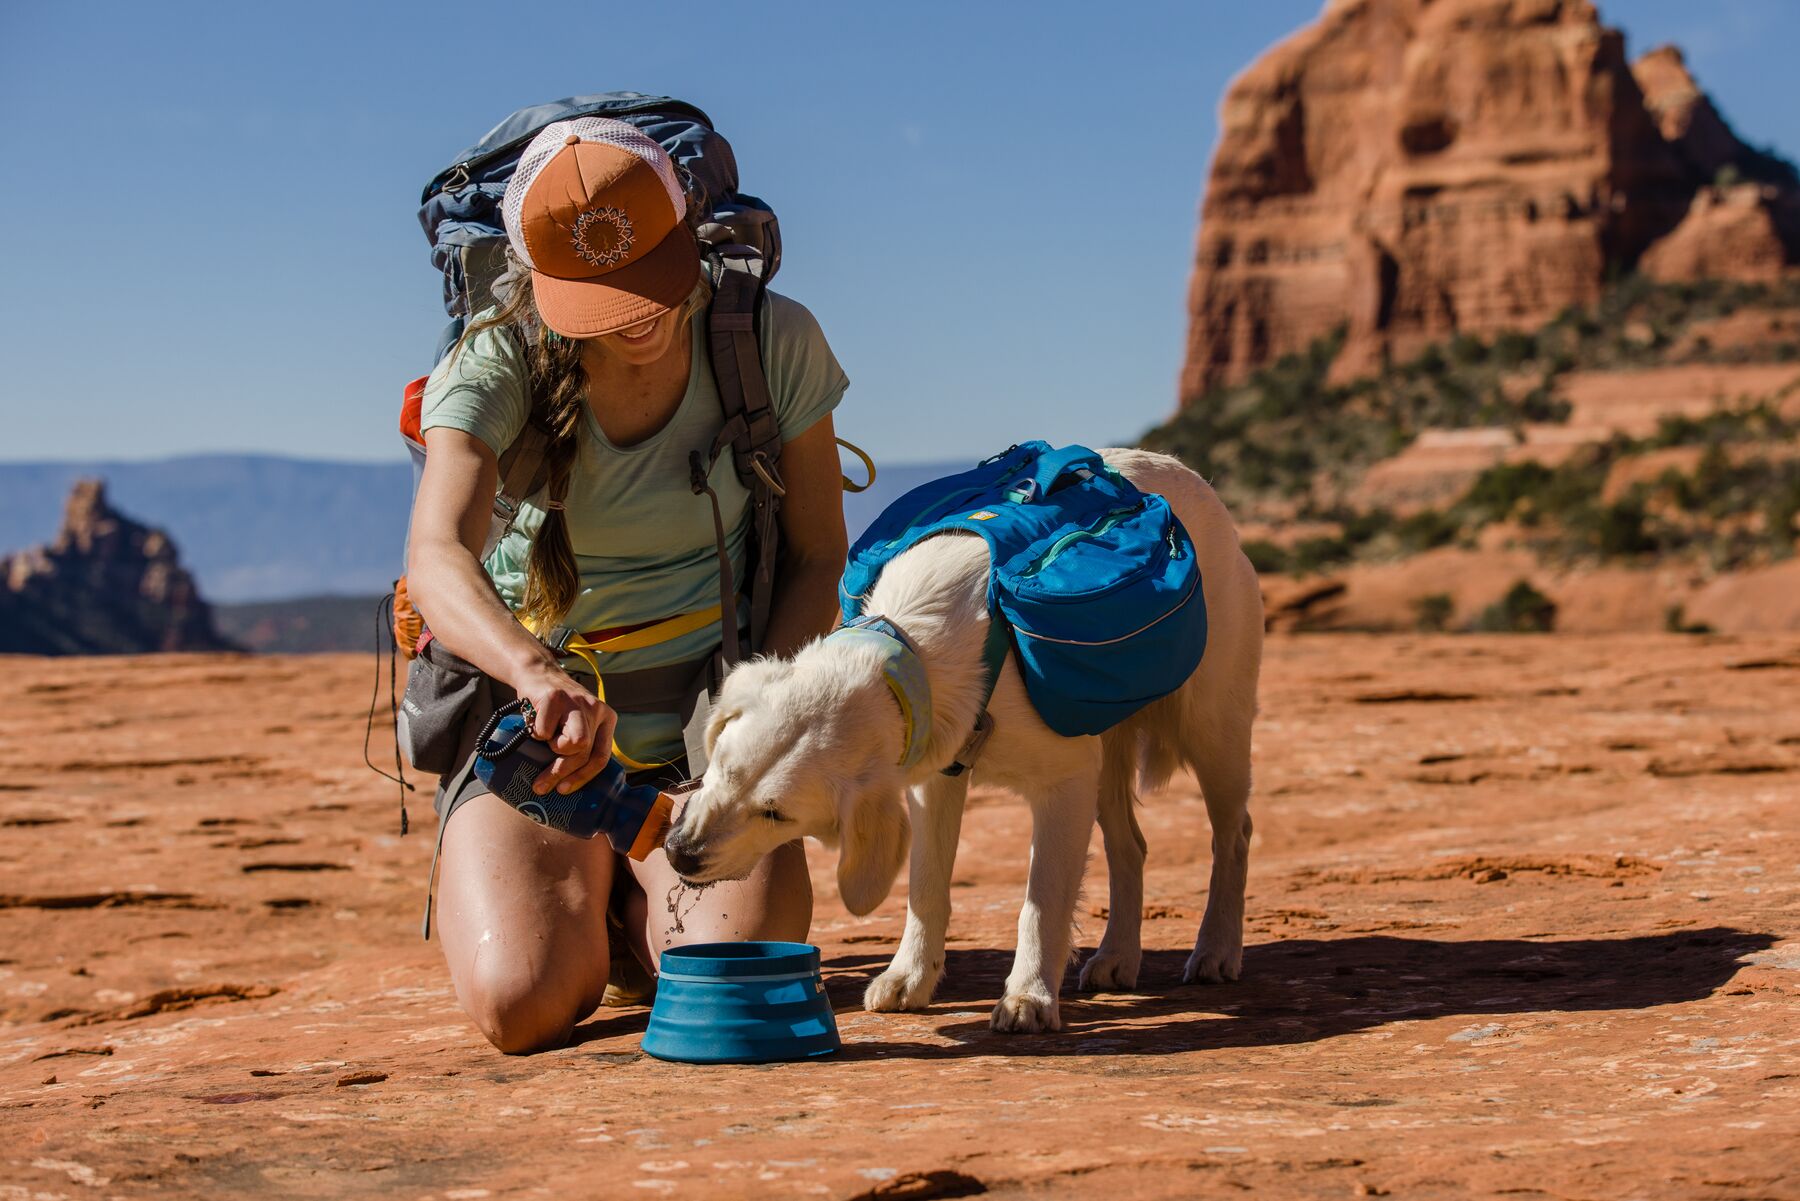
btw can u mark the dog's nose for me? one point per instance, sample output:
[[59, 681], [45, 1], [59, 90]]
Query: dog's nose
[[681, 855]]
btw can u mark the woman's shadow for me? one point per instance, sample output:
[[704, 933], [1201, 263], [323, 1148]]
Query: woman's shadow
[[1305, 990]]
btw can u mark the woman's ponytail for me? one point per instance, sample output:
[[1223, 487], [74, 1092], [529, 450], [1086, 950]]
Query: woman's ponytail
[[559, 393]]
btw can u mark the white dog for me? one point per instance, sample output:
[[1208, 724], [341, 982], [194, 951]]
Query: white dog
[[810, 746]]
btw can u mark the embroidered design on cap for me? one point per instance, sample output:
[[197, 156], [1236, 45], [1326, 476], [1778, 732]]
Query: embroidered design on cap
[[604, 236]]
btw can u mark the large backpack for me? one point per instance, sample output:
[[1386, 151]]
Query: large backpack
[[1094, 584], [740, 242]]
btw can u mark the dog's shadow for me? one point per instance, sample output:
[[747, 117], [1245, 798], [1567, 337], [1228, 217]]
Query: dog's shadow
[[1306, 990]]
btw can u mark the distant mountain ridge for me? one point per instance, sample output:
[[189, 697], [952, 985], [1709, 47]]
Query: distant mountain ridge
[[256, 528], [250, 527]]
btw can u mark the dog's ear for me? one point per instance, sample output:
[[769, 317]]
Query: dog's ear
[[716, 721], [874, 840]]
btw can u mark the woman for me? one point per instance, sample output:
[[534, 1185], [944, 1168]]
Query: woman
[[600, 341]]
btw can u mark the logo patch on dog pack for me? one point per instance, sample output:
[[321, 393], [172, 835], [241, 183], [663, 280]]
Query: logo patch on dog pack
[[984, 515]]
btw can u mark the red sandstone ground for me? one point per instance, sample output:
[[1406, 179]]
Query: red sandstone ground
[[1522, 920]]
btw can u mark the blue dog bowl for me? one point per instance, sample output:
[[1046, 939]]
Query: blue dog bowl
[[740, 1002]]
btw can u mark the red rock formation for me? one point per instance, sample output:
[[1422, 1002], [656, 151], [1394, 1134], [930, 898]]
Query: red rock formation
[[1745, 226], [1411, 168], [105, 585], [1683, 113], [1728, 233]]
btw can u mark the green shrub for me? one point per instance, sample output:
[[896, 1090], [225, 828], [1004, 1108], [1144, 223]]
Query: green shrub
[[1265, 556], [1523, 610], [1781, 510], [1466, 350], [1286, 434], [1675, 622], [1500, 490], [1426, 530], [1363, 528], [1513, 348], [1432, 613], [1313, 555], [1619, 530], [1540, 405]]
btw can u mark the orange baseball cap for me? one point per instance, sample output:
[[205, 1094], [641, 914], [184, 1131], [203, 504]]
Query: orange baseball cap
[[596, 212]]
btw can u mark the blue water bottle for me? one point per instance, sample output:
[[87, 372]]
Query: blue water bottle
[[508, 759]]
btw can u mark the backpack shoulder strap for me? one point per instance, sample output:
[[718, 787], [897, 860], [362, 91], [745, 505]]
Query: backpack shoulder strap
[[525, 465], [524, 470], [750, 424]]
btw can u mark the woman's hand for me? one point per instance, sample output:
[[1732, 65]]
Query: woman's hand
[[577, 725]]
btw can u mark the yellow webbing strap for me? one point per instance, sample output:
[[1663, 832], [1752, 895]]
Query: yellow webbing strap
[[862, 454], [662, 631]]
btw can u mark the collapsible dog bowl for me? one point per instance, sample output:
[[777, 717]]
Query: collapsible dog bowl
[[741, 1002]]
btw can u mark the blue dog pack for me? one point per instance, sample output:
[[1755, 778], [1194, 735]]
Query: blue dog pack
[[1096, 582]]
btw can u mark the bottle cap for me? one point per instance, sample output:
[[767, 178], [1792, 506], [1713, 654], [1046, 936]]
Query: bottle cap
[[656, 825]]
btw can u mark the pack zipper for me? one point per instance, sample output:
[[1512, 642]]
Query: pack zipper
[[967, 494], [1100, 527]]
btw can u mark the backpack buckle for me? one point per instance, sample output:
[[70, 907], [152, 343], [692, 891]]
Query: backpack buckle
[[759, 463], [971, 749]]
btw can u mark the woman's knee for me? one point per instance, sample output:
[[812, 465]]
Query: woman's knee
[[520, 1013], [790, 907]]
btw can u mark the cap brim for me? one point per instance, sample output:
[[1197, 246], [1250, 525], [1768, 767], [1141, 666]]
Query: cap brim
[[649, 287]]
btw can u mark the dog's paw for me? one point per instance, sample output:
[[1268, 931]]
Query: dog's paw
[[1108, 970], [1024, 1013], [1208, 965], [899, 989]]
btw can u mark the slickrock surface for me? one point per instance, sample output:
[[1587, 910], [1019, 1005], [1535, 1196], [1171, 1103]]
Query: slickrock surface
[[1522, 921], [1432, 166]]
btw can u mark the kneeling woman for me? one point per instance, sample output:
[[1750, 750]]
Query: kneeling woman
[[599, 346]]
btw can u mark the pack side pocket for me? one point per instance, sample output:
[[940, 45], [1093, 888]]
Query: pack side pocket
[[441, 689]]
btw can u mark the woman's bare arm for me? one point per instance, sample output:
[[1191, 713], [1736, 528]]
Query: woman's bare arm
[[813, 542], [458, 601]]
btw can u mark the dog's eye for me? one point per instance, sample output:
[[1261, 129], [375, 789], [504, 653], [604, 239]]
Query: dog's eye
[[776, 815]]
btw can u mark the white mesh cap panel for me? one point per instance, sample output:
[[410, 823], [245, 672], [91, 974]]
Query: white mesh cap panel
[[554, 137]]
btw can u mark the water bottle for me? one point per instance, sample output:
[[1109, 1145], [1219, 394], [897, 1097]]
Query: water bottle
[[508, 759]]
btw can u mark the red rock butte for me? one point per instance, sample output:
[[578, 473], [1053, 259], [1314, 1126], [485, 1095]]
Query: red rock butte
[[1409, 169]]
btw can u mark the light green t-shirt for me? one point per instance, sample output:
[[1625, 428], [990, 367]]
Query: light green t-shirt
[[643, 542]]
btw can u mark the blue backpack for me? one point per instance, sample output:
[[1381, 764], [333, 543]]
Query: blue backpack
[[1096, 582]]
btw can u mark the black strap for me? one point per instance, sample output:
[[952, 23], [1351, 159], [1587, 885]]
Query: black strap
[[698, 470], [525, 465], [384, 633], [750, 427], [993, 657]]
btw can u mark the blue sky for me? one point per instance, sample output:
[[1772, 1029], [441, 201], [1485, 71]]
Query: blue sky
[[211, 207]]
